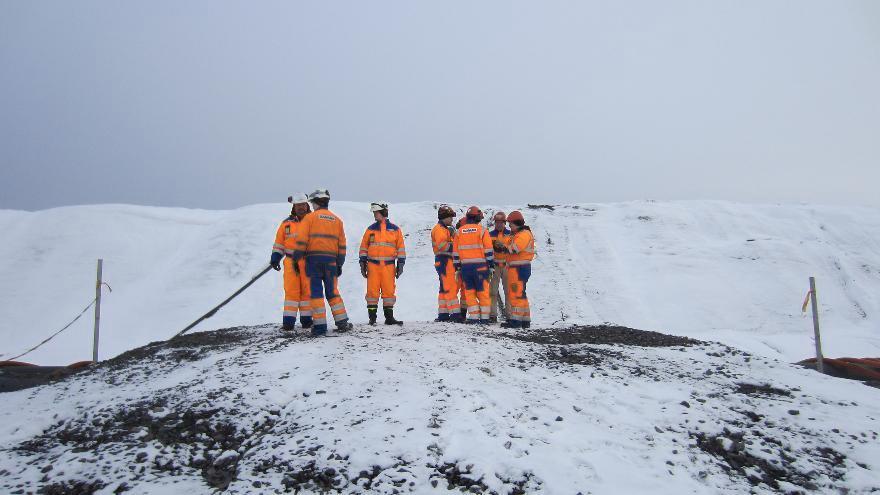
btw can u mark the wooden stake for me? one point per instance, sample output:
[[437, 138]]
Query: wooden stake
[[98, 284], [820, 365]]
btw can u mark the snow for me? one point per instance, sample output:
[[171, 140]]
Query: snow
[[721, 271], [406, 403]]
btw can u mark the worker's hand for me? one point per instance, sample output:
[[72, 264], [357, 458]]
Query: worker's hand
[[451, 230], [399, 271], [364, 269], [338, 270], [498, 246], [276, 265], [295, 267]]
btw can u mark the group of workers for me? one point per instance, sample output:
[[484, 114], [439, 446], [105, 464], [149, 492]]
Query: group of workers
[[475, 265]]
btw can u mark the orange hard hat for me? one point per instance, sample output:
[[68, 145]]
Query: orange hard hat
[[515, 216], [475, 212]]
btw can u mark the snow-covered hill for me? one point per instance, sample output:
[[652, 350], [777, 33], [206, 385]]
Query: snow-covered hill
[[435, 407], [712, 270]]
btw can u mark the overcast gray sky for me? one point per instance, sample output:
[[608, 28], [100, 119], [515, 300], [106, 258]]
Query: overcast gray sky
[[222, 104]]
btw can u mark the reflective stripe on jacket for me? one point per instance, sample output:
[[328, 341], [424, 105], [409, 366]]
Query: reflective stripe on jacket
[[472, 245], [383, 241]]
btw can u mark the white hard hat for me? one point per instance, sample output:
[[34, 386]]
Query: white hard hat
[[378, 206], [318, 194], [298, 198]]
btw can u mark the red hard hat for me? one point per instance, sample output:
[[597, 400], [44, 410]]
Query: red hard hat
[[474, 211], [515, 216]]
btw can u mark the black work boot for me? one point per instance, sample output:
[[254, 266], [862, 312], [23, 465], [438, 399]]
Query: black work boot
[[371, 312], [389, 317]]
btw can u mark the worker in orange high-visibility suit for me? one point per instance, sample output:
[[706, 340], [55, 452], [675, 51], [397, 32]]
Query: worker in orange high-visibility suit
[[461, 297], [381, 248], [296, 283], [442, 238], [521, 252], [500, 235], [472, 253], [321, 242]]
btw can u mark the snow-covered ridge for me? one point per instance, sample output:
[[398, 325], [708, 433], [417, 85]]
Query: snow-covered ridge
[[435, 407], [712, 270]]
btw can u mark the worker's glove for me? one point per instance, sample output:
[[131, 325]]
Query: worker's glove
[[275, 264], [364, 268], [499, 246], [295, 267], [339, 270], [399, 271]]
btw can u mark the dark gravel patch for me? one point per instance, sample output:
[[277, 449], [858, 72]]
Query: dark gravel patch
[[761, 390], [582, 357], [458, 479], [189, 347], [732, 449], [72, 488], [206, 432], [601, 334]]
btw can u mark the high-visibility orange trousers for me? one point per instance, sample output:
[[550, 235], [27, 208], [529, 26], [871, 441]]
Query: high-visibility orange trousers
[[475, 279], [447, 296], [517, 278], [381, 282], [296, 294]]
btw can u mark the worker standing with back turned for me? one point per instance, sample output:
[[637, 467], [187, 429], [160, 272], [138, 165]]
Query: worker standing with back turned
[[321, 242], [472, 253]]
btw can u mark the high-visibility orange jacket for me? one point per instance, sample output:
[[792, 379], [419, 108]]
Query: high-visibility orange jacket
[[472, 245], [502, 236], [521, 247], [285, 237], [321, 235], [441, 241], [383, 243]]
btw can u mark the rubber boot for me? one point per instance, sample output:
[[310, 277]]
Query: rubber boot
[[389, 317], [457, 318], [343, 326], [463, 312], [511, 324], [525, 324], [287, 323], [442, 317], [305, 321], [371, 313]]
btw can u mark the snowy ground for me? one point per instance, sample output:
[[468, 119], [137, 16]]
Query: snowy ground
[[723, 271], [433, 406]]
